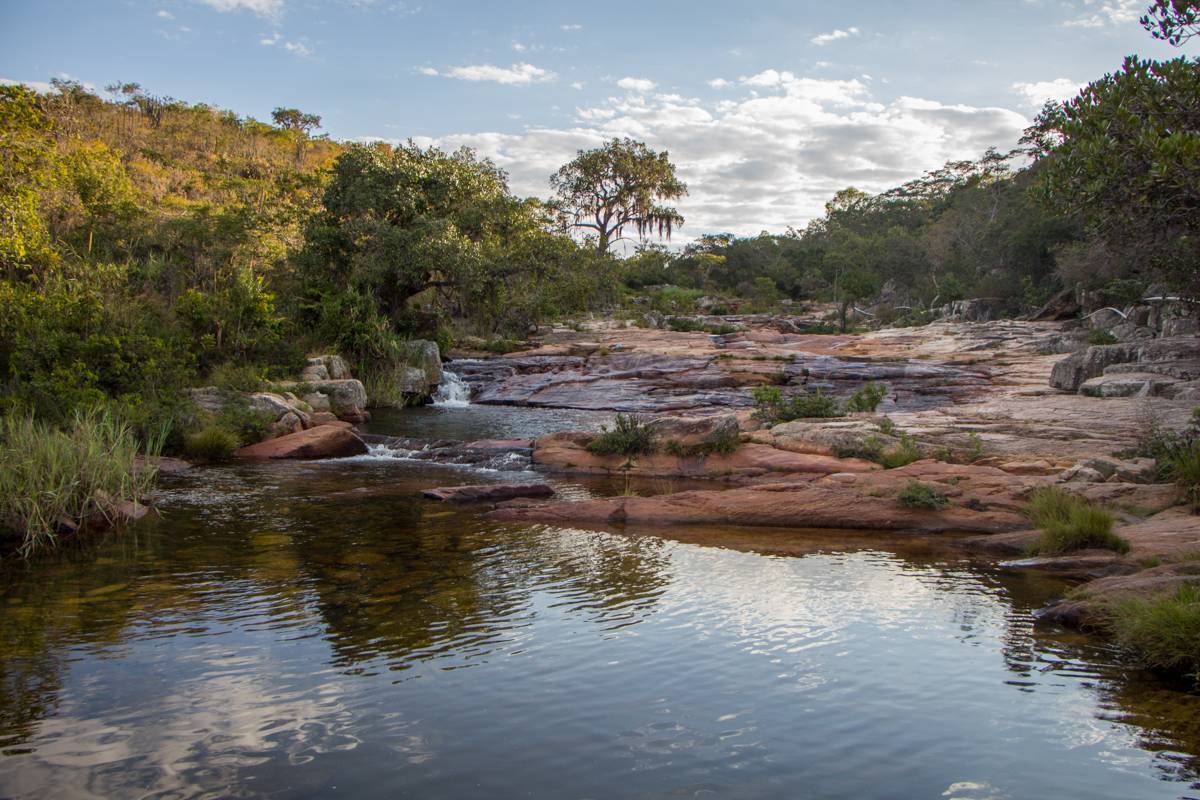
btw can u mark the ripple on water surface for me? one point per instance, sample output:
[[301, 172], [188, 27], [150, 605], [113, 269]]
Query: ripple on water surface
[[312, 629]]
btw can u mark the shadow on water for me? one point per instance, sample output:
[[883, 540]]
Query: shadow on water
[[280, 631]]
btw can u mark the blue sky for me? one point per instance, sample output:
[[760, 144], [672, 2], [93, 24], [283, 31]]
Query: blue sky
[[767, 106]]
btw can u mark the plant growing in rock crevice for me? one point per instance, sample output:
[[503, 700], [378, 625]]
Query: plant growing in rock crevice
[[631, 435], [1069, 522], [1162, 631], [922, 495]]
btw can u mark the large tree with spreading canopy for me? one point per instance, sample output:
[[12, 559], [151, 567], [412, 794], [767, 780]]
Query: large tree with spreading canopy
[[621, 184]]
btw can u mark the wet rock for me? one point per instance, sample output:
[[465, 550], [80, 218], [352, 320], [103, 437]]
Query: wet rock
[[334, 440], [488, 492]]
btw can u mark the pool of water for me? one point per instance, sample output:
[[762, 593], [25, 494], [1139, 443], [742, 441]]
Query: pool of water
[[317, 629]]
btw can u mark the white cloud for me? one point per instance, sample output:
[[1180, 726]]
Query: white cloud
[[517, 74], [822, 39], [1039, 92], [637, 84], [295, 48], [768, 159], [1113, 12], [577, 85], [520, 48], [271, 9], [720, 83], [40, 87], [430, 71], [572, 27], [164, 15]]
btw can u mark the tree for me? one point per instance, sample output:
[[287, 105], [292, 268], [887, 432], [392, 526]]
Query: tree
[[1172, 21], [615, 186], [298, 124], [1127, 163]]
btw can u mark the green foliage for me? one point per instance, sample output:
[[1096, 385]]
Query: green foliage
[[1177, 454], [773, 407], [1125, 155], [212, 442], [901, 454], [867, 398], [631, 435], [237, 378], [1069, 522], [618, 185], [1163, 631], [724, 441], [50, 476], [1099, 336], [922, 495]]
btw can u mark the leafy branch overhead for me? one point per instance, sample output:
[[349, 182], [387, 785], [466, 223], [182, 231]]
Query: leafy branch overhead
[[619, 185]]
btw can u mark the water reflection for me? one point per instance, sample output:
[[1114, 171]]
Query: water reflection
[[278, 632]]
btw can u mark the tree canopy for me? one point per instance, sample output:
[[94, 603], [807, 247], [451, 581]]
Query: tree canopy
[[621, 184]]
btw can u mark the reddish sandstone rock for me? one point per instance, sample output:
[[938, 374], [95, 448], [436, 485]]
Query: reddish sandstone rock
[[801, 505], [568, 453], [487, 492], [335, 440]]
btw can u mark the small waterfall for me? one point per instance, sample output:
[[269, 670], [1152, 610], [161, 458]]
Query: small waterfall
[[452, 391]]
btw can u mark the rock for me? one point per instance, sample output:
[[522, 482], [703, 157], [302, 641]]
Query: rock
[[315, 372], [317, 401], [322, 418], [1081, 474], [163, 465], [1137, 470], [568, 453], [269, 404], [208, 398], [1180, 327], [1062, 306], [695, 430], [1105, 467], [488, 492], [804, 505], [1070, 373], [583, 349], [1105, 319], [334, 440], [1037, 467], [288, 423], [424, 355], [1127, 384], [346, 397], [1131, 332]]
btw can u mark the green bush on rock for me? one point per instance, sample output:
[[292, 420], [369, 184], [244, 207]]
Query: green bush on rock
[[922, 495], [631, 435], [1069, 522], [1162, 631]]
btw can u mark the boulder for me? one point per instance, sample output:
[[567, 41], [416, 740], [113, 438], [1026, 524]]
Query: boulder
[[334, 440], [487, 492], [424, 355], [1126, 384], [1062, 306], [1180, 327], [695, 430], [1070, 373], [317, 401]]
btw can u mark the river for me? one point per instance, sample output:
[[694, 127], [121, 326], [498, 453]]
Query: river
[[317, 629]]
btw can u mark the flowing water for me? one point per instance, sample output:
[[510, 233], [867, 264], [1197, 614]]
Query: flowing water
[[317, 629]]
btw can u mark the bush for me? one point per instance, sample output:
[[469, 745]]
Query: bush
[[1162, 631], [631, 435], [1099, 336], [213, 442], [870, 449], [867, 398], [49, 476], [235, 378], [1069, 523], [773, 407], [723, 442], [903, 453], [922, 495], [248, 424]]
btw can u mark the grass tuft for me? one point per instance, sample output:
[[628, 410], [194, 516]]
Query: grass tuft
[[1162, 631], [631, 435], [922, 495], [1069, 522], [51, 478]]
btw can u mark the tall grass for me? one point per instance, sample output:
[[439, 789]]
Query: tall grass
[[632, 435], [1163, 631], [1069, 522], [52, 478]]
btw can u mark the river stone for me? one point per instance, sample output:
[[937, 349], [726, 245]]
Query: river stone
[[317, 401], [324, 441], [315, 371], [487, 492]]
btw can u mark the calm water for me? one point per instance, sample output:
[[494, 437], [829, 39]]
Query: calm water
[[301, 630]]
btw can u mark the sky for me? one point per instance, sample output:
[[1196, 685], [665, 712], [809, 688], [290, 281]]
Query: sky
[[767, 107]]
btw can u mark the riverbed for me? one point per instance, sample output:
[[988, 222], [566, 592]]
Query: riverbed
[[311, 629]]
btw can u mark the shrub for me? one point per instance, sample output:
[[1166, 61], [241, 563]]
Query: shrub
[[886, 426], [867, 398], [1069, 522], [1162, 631], [922, 495], [631, 435], [213, 442], [723, 442], [236, 378], [49, 476], [1099, 336], [870, 448], [685, 324], [903, 453], [248, 424], [774, 407]]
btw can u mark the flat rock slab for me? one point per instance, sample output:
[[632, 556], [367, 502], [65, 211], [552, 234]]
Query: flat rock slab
[[335, 440], [487, 492]]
